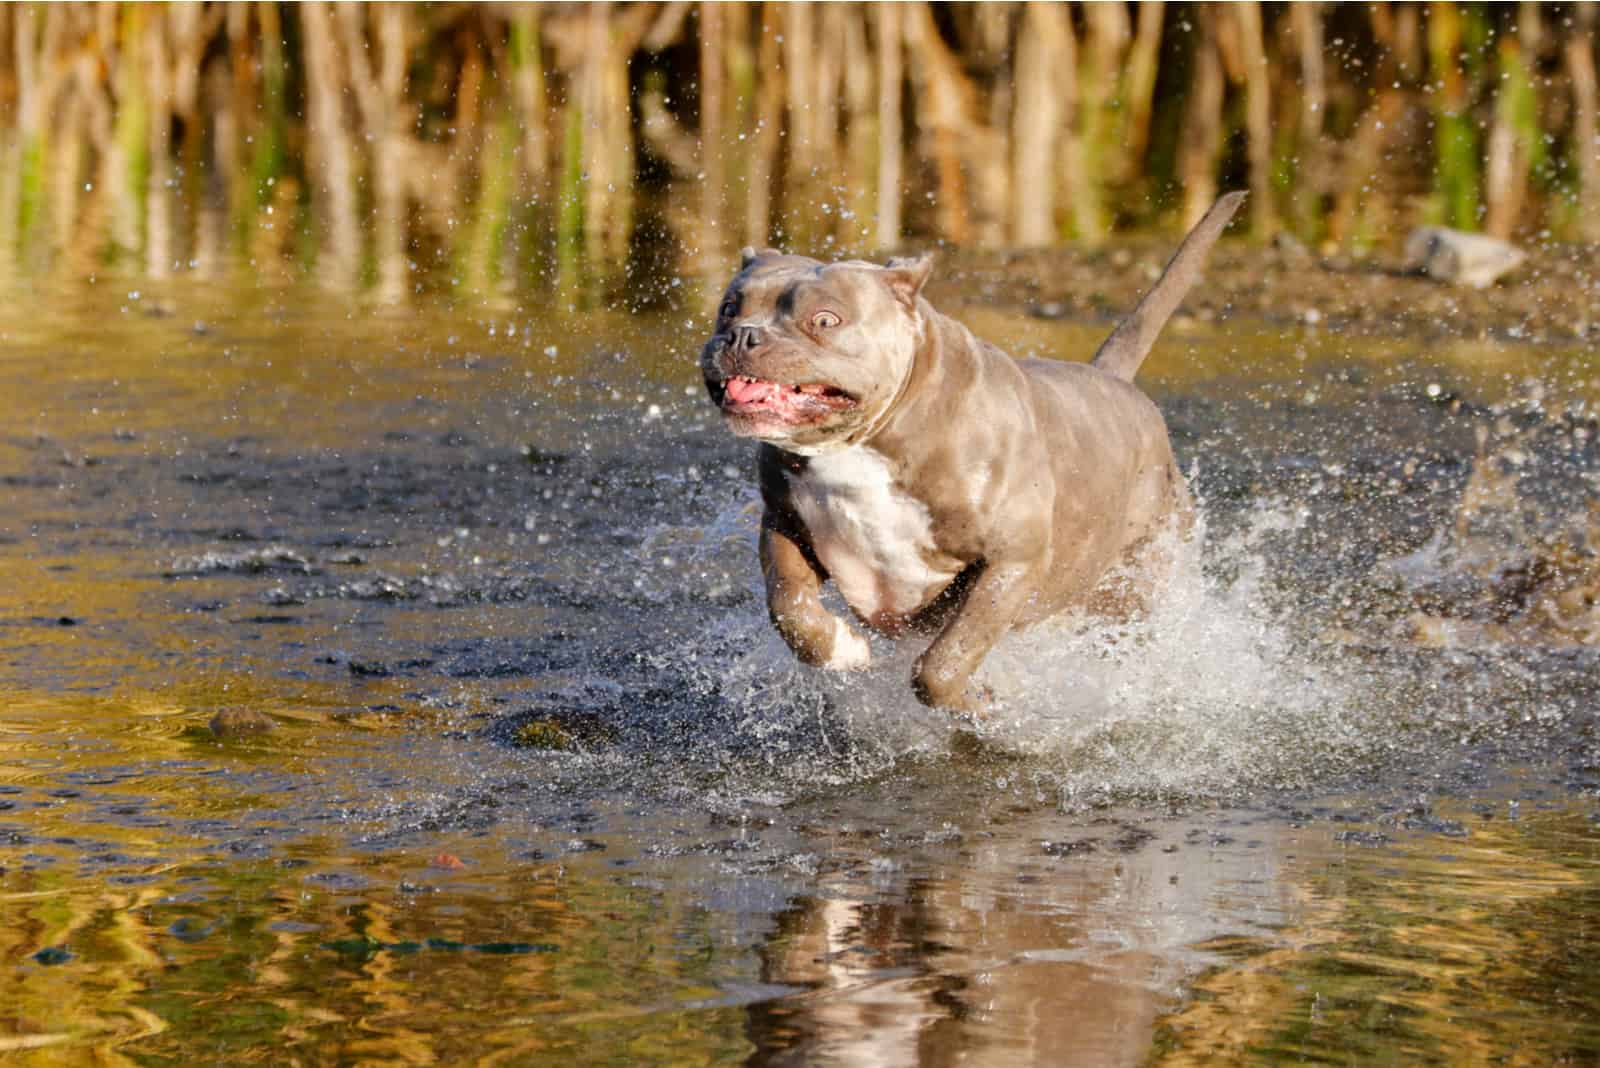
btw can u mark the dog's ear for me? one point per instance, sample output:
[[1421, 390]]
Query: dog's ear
[[906, 276], [749, 255]]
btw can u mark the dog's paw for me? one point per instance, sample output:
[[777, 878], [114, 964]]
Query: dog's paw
[[850, 650], [963, 698]]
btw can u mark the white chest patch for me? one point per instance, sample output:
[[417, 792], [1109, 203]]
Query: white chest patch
[[875, 540]]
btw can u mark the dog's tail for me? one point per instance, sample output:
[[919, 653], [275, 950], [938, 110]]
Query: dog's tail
[[1123, 352]]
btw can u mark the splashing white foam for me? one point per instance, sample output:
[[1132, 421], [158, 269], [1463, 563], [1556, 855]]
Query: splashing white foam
[[1209, 692]]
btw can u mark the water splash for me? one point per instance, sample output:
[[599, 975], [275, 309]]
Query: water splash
[[1212, 691]]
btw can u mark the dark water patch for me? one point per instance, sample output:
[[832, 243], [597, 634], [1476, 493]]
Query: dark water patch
[[191, 929], [362, 950], [376, 669]]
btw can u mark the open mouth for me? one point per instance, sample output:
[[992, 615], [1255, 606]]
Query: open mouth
[[812, 400]]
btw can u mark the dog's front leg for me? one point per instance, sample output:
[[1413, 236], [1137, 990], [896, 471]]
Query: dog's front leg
[[794, 587], [990, 604]]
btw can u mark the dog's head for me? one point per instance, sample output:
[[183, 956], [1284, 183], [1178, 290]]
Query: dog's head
[[809, 356]]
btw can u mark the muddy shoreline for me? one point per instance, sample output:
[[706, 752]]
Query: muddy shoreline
[[1553, 298]]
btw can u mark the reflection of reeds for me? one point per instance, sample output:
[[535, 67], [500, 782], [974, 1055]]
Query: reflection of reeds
[[363, 137], [1401, 949]]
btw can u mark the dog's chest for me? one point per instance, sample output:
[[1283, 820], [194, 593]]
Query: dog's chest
[[875, 540]]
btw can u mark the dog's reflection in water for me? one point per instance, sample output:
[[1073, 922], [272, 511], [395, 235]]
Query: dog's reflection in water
[[1023, 954]]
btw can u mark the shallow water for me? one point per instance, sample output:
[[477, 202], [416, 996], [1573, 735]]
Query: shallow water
[[542, 787]]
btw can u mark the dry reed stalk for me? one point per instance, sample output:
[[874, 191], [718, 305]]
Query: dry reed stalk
[[829, 182], [862, 131], [1578, 53], [1037, 121], [531, 94], [270, 131], [38, 106], [93, 95], [24, 58], [1455, 136], [1508, 154], [1138, 91], [67, 167], [1403, 35], [1073, 166], [768, 129], [667, 137], [1360, 208], [1311, 180], [740, 61], [193, 26], [827, 71], [331, 153], [79, 204], [126, 162], [379, 92], [158, 192], [608, 131], [234, 118], [210, 225], [713, 150], [441, 179], [989, 46], [1202, 127], [1104, 42], [959, 144], [891, 134], [482, 240], [1258, 116], [938, 115], [804, 145]]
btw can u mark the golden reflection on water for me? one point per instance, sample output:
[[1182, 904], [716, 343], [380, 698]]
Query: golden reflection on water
[[259, 962], [1425, 951]]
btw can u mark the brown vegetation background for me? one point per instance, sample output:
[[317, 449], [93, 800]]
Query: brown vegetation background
[[392, 147]]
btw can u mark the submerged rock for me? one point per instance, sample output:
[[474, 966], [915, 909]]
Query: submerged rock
[[542, 734], [559, 731], [1460, 258], [237, 722]]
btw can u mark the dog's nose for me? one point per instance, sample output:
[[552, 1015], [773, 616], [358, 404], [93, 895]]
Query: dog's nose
[[746, 338]]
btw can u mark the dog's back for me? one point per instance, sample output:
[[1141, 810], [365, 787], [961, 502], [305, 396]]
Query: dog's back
[[1110, 457]]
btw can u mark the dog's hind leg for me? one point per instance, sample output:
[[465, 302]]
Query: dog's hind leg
[[1148, 565], [988, 608]]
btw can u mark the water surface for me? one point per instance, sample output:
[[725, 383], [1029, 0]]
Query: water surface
[[541, 787]]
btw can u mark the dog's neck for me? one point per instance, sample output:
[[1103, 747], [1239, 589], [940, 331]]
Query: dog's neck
[[947, 356], [925, 358]]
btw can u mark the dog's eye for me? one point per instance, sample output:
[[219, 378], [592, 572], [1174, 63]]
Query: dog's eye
[[824, 320]]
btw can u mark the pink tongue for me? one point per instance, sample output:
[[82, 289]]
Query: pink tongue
[[744, 391]]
